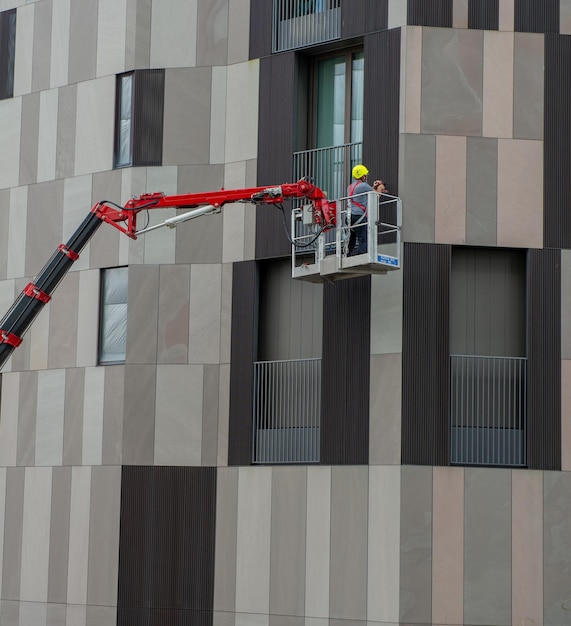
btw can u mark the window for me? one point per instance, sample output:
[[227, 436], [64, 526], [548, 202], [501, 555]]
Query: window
[[139, 118], [113, 325], [7, 49]]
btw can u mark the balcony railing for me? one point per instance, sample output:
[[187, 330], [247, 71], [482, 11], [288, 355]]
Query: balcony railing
[[287, 408], [488, 410], [298, 23]]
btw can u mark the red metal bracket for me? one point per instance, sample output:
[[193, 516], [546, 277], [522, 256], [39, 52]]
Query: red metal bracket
[[10, 339], [32, 291], [69, 253]]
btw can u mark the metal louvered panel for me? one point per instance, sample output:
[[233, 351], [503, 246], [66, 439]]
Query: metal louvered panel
[[544, 345], [430, 13], [7, 52], [346, 372], [484, 14], [260, 28], [166, 549], [359, 17], [557, 142], [531, 16], [381, 108], [148, 109], [426, 374]]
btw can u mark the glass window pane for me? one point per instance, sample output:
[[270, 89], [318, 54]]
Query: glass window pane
[[357, 96], [113, 331], [124, 156], [126, 100], [331, 102]]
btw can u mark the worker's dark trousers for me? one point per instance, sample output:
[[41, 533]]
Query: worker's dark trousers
[[358, 238]]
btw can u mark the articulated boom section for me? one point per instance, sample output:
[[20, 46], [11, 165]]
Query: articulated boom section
[[36, 294]]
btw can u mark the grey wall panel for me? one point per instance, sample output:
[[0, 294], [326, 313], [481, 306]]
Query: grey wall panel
[[381, 114], [430, 13], [82, 40], [345, 372], [261, 25], [544, 359], [138, 36], [73, 416], [531, 16], [482, 200], [4, 231], [557, 142], [484, 14], [65, 146], [12, 556], [359, 17], [166, 549], [59, 534], [29, 139], [243, 355], [426, 352], [26, 447], [276, 133], [42, 45]]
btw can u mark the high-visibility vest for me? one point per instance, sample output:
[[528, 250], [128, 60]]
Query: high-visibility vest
[[352, 188]]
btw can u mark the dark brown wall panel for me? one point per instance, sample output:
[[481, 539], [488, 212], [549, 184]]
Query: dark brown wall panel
[[276, 132], [484, 14], [7, 52], [345, 372], [260, 28], [544, 359], [166, 546], [426, 355], [359, 17], [430, 13], [381, 106], [148, 117], [557, 143], [536, 16], [243, 355]]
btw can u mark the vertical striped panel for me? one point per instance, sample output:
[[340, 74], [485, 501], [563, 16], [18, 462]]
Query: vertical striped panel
[[275, 147], [148, 117], [243, 354], [544, 359], [484, 14], [7, 50], [557, 142], [381, 106], [359, 17], [260, 28], [166, 550], [426, 375], [531, 16], [430, 13], [345, 373]]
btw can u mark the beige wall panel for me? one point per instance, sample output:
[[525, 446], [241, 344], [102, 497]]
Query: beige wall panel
[[529, 79], [59, 534], [234, 215], [101, 616], [30, 122], [174, 299], [13, 523], [251, 619], [138, 35], [111, 37], [87, 318], [527, 547], [67, 112], [3, 512], [186, 138], [205, 316], [386, 313], [411, 77], [142, 315], [565, 415], [448, 545], [385, 409], [62, 344], [95, 125], [460, 13], [36, 534], [73, 416], [104, 246], [174, 21], [317, 542], [253, 549], [24, 53], [210, 412], [50, 417], [178, 421], [452, 72], [139, 415], [42, 44], [450, 203], [79, 535], [33, 613], [59, 50], [17, 232], [288, 549], [76, 206], [348, 565], [113, 415], [384, 542], [93, 398], [226, 540], [506, 17], [160, 246], [219, 618], [498, 113], [76, 615], [238, 30], [103, 566], [223, 415], [27, 407], [9, 408], [565, 17], [242, 116], [520, 205], [212, 36], [10, 123]]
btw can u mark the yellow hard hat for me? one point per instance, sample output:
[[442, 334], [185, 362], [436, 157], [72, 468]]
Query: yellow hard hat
[[359, 171]]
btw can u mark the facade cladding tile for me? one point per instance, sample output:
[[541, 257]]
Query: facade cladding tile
[[531, 16], [430, 13], [166, 549], [484, 14], [426, 353], [261, 28], [359, 17], [148, 117], [557, 142]]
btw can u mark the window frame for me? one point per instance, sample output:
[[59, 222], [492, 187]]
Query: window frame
[[100, 359]]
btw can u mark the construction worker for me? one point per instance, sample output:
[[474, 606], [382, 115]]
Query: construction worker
[[357, 206]]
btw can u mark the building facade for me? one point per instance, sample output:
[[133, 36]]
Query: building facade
[[190, 437]]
